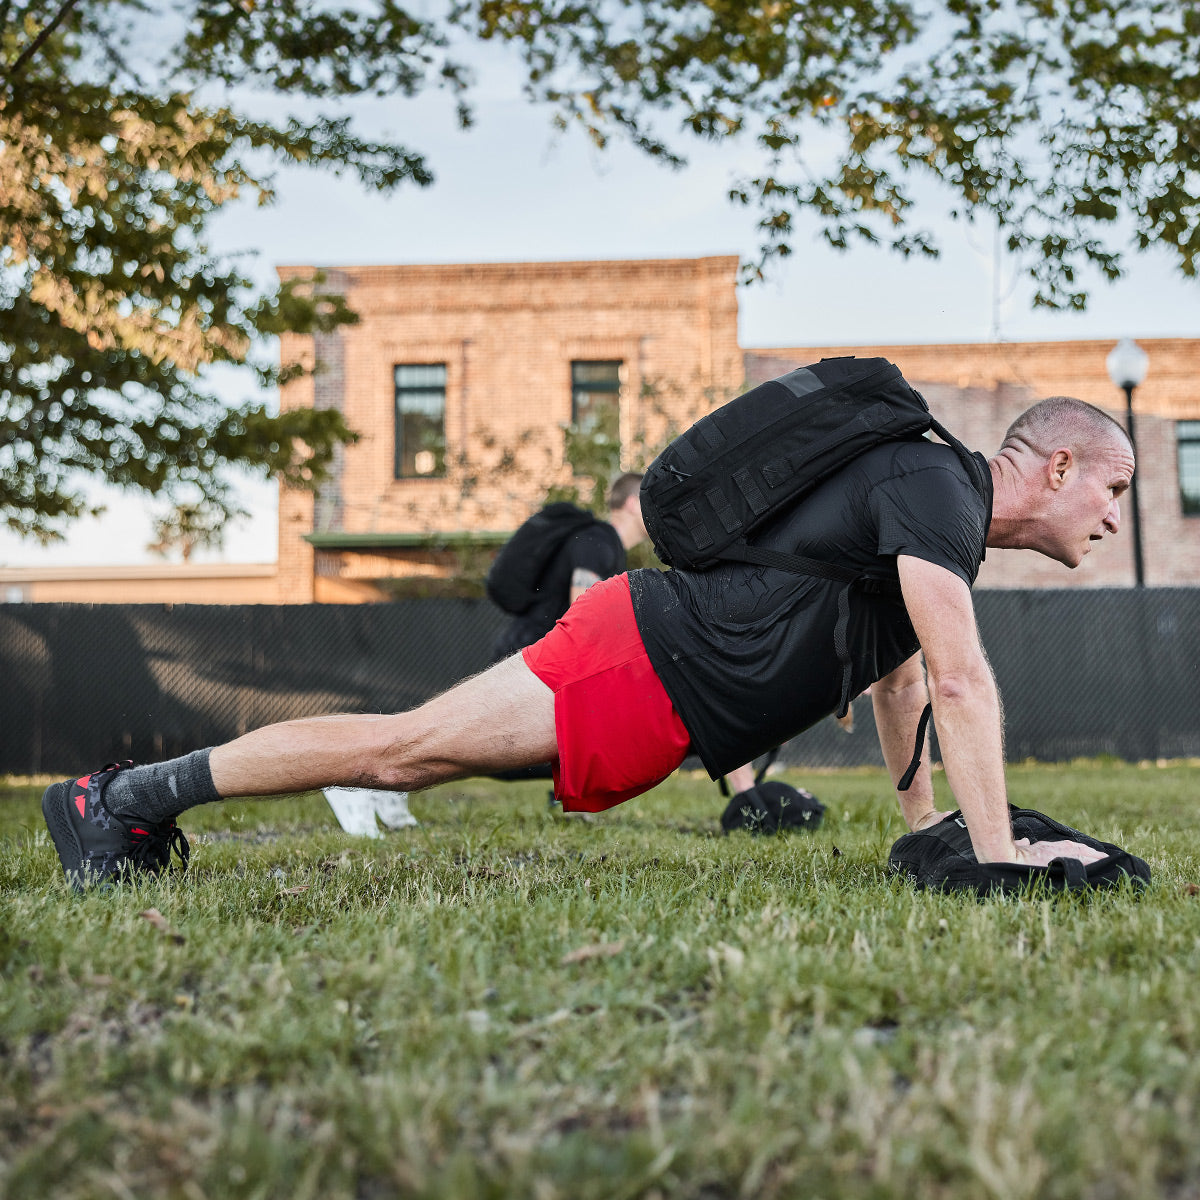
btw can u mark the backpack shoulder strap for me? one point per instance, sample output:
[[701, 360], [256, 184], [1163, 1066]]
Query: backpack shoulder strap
[[975, 470], [798, 564]]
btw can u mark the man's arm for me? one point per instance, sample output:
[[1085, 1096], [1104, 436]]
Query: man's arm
[[898, 700], [581, 580], [595, 554], [966, 707]]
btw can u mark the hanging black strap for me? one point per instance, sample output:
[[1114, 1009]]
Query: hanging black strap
[[910, 774], [841, 646], [761, 773]]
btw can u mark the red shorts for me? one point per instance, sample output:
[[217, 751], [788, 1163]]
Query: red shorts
[[618, 733]]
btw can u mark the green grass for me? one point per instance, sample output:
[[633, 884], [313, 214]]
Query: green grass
[[322, 1017]]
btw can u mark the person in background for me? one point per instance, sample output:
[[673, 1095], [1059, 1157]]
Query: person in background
[[593, 550]]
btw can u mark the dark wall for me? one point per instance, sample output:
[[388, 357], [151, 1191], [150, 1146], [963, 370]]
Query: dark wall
[[1108, 671]]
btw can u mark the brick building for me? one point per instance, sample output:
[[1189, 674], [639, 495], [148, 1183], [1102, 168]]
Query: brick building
[[460, 379]]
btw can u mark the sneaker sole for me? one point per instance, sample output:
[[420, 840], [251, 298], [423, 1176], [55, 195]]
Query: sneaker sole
[[54, 801]]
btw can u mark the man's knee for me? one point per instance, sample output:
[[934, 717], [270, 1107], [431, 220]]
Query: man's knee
[[498, 720]]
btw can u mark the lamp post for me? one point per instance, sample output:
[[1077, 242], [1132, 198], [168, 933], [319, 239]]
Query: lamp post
[[1127, 363]]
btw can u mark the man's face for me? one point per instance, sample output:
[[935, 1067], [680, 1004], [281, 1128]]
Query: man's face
[[634, 507], [1087, 502]]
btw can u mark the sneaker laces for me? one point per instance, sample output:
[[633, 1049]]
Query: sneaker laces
[[151, 843]]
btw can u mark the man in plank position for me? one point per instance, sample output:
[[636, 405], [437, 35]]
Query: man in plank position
[[727, 662]]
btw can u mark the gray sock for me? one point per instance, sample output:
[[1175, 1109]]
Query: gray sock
[[162, 789]]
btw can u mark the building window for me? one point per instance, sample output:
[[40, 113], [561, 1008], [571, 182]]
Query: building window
[[1188, 435], [596, 398], [420, 420]]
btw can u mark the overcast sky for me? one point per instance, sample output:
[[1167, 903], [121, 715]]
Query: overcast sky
[[512, 189]]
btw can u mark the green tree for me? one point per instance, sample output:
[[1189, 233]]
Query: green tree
[[185, 528], [112, 306], [1074, 124]]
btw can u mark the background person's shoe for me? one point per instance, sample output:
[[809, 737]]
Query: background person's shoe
[[357, 808], [392, 809], [97, 846]]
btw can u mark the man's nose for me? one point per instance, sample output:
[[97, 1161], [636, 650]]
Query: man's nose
[[1112, 522]]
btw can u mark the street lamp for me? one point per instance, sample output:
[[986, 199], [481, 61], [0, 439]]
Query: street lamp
[[1127, 363]]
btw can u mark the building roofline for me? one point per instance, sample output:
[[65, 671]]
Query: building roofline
[[406, 541], [519, 265], [998, 347], [139, 571]]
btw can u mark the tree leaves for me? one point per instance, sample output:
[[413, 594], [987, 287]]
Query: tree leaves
[[113, 306], [1069, 124]]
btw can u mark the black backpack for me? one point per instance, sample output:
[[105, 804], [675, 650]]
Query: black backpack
[[764, 451], [772, 807], [941, 857], [515, 577], [770, 447]]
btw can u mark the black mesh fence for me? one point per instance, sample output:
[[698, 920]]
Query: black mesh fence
[[1111, 671], [86, 683]]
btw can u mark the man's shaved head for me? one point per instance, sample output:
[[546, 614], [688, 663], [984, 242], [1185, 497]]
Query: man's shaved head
[[1059, 479], [1064, 421]]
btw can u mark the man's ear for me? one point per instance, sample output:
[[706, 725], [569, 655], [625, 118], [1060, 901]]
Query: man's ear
[[1058, 466]]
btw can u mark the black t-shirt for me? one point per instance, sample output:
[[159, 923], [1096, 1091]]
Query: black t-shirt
[[596, 548], [747, 653]]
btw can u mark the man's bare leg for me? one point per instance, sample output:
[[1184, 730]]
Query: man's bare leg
[[740, 779], [121, 820], [498, 720]]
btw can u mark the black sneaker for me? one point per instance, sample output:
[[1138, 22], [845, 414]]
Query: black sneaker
[[95, 845]]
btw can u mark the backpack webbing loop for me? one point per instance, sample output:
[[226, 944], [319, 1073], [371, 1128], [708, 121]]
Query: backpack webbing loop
[[1075, 872]]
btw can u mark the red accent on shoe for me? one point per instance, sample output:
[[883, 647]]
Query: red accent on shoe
[[79, 805], [83, 782], [143, 832]]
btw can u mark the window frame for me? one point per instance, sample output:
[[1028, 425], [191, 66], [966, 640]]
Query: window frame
[[398, 446], [1187, 435], [579, 386]]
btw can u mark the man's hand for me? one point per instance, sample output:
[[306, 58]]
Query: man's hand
[[1042, 854], [1030, 854]]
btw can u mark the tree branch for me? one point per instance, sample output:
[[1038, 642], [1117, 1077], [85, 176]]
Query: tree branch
[[38, 41]]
